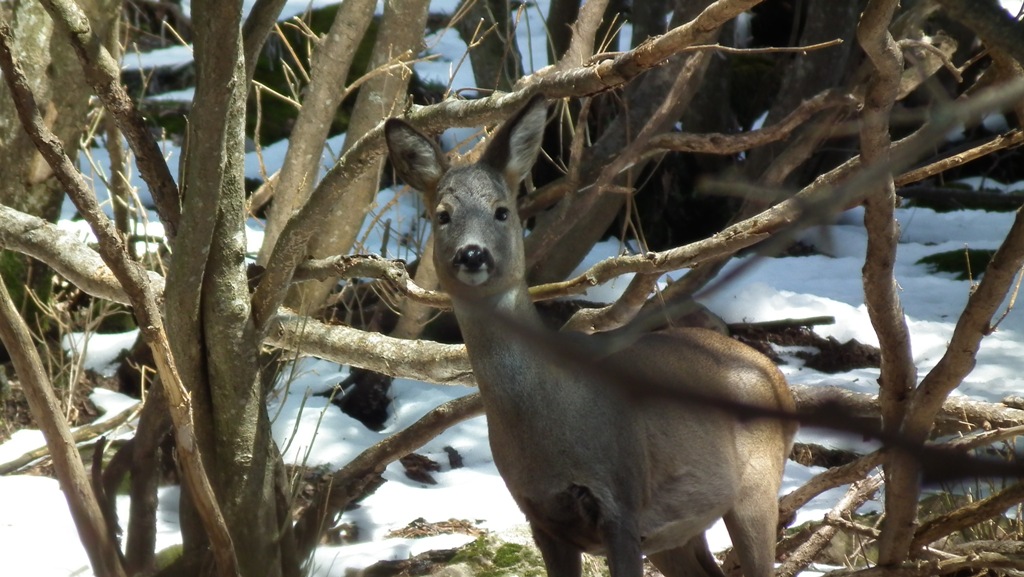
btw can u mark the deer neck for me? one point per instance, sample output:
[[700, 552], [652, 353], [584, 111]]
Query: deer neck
[[501, 360]]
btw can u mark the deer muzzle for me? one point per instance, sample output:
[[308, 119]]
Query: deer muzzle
[[473, 264]]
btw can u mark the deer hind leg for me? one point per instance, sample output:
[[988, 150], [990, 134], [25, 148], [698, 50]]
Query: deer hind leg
[[752, 526], [690, 560], [561, 559]]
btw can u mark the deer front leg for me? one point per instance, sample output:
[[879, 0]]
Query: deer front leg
[[622, 547], [561, 558]]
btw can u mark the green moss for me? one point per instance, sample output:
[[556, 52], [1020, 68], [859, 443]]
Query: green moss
[[473, 552], [13, 269], [165, 557], [489, 557], [965, 264], [22, 276], [509, 555]]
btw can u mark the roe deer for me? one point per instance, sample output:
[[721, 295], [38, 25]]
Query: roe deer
[[593, 470]]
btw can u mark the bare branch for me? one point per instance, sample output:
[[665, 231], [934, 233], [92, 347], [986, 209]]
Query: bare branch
[[881, 298], [768, 49], [898, 372], [370, 266], [68, 254], [617, 314], [717, 143], [679, 93], [421, 360], [363, 155], [1008, 140], [729, 241], [331, 63], [651, 53], [990, 22], [74, 481], [958, 416], [828, 479], [400, 35], [986, 438], [584, 31]]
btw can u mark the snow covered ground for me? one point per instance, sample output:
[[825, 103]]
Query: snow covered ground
[[39, 538]]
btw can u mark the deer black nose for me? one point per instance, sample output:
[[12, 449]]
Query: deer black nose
[[472, 258]]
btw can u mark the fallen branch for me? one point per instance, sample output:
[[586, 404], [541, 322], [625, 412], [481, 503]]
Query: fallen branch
[[785, 323], [81, 434], [958, 198], [824, 481], [973, 562], [804, 555], [959, 415], [968, 515]]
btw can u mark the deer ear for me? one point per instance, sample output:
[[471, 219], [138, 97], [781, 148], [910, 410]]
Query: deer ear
[[418, 160], [514, 147]]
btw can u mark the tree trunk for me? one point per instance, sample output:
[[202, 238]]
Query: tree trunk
[[26, 181], [209, 323], [807, 74]]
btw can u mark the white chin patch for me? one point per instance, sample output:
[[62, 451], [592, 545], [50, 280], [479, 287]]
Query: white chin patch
[[473, 278]]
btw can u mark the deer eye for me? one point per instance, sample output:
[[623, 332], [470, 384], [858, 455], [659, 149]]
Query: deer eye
[[443, 217], [501, 213]]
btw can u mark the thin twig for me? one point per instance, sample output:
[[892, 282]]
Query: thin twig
[[1010, 139], [767, 49], [734, 50]]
